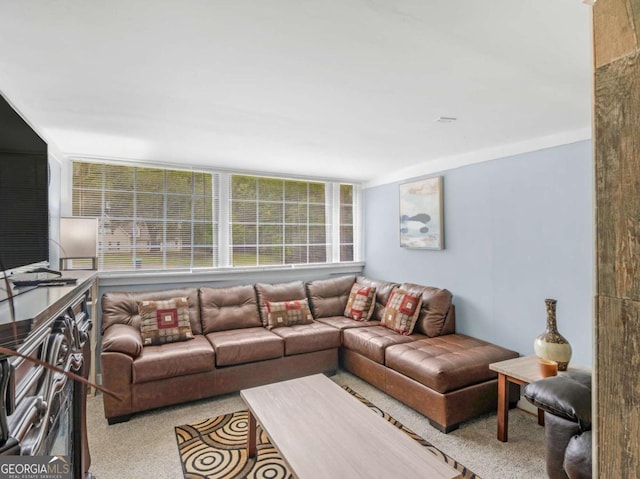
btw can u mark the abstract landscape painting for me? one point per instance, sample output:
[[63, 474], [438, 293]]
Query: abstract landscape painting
[[421, 214]]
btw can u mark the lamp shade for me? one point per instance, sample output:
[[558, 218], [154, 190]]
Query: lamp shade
[[78, 237]]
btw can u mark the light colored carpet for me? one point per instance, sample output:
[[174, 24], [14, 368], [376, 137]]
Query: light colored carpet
[[145, 447]]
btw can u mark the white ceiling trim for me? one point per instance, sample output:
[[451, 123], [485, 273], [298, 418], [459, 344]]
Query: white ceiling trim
[[456, 161]]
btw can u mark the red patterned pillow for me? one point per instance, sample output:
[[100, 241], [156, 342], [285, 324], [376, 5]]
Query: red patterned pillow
[[164, 322], [361, 302], [288, 313], [402, 311]]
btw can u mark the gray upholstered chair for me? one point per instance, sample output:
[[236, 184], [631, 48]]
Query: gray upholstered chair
[[566, 402]]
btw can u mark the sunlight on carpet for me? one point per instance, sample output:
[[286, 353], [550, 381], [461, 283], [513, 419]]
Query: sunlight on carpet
[[216, 448]]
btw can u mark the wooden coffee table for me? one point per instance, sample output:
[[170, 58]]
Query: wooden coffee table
[[323, 431]]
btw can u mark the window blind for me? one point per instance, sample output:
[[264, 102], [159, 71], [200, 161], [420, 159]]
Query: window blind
[[155, 218], [149, 218], [347, 208], [277, 221]]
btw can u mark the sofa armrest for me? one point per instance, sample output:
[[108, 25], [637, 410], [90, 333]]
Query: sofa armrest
[[122, 338], [117, 374], [577, 457], [567, 396]]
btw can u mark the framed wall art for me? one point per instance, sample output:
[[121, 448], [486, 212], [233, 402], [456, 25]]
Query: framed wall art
[[421, 214]]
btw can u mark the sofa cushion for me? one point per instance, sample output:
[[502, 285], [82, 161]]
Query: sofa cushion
[[436, 303], [245, 345], [287, 313], [307, 338], [234, 307], [448, 362], [165, 321], [342, 322], [328, 297], [361, 303], [174, 359], [383, 291], [401, 311], [122, 307], [278, 292], [371, 342]]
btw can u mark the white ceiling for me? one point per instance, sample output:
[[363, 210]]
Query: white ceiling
[[329, 88]]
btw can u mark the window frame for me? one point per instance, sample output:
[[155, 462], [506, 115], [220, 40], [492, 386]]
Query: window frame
[[221, 206]]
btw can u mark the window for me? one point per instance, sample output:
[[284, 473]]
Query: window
[[156, 218], [346, 223], [276, 221], [164, 219]]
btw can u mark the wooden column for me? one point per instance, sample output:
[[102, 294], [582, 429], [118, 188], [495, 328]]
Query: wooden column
[[617, 162]]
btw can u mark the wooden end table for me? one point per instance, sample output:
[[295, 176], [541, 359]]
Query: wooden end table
[[520, 371]]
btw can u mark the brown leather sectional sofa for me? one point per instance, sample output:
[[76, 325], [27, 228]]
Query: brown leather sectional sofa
[[441, 374]]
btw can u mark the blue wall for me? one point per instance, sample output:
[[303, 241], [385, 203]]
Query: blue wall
[[517, 230]]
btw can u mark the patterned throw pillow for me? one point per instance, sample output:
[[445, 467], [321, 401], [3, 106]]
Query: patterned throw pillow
[[288, 313], [361, 302], [402, 311], [164, 322]]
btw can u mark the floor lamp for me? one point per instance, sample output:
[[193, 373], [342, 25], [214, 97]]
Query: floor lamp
[[78, 241]]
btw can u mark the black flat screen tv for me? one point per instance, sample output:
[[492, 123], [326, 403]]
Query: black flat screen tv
[[24, 194]]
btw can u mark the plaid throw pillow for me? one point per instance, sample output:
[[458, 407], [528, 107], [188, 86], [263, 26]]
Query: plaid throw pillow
[[164, 322], [402, 311], [361, 303], [288, 313]]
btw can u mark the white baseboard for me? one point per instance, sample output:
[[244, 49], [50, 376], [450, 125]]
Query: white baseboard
[[527, 406]]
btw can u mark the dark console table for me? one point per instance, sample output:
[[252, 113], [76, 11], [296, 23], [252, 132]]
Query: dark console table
[[42, 412]]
